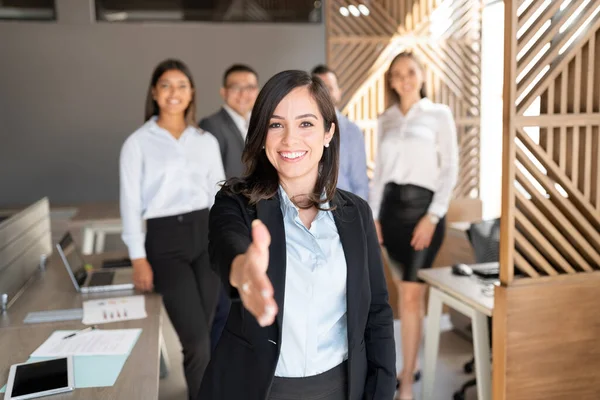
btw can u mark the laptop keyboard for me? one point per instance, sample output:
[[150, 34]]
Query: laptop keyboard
[[102, 278]]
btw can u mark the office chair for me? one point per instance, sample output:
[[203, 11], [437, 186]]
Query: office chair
[[485, 240]]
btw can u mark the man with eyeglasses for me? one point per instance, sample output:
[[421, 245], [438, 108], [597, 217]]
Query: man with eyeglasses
[[230, 124]]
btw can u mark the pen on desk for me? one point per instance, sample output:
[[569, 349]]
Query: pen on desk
[[88, 329]]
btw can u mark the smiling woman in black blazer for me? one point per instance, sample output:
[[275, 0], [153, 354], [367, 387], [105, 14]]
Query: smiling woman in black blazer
[[310, 317]]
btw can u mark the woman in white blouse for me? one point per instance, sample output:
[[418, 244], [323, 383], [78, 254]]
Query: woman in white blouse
[[416, 171], [169, 171]]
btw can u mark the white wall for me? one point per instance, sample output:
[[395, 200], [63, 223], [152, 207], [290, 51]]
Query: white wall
[[491, 109], [72, 90]]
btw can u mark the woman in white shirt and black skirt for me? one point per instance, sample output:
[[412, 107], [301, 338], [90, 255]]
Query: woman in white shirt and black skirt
[[415, 174], [169, 171]]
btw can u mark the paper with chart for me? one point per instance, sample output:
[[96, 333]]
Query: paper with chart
[[114, 310], [99, 342]]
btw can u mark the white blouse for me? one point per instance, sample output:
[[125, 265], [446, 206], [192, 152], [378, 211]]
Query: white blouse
[[418, 148], [162, 176]]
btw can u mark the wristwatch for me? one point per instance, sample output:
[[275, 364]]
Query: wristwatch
[[433, 218]]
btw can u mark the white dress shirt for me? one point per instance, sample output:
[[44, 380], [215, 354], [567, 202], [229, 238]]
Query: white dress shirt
[[418, 148], [240, 122], [314, 336], [163, 176]]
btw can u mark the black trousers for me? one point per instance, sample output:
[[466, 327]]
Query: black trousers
[[177, 250]]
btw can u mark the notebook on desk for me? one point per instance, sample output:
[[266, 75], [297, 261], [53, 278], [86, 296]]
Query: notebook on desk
[[91, 281]]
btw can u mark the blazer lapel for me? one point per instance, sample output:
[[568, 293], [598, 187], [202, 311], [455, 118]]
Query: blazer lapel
[[234, 132], [347, 220], [269, 212]]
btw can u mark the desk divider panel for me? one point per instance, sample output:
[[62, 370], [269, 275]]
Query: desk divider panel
[[25, 239]]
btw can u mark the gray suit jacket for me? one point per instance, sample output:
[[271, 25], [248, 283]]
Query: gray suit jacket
[[230, 139]]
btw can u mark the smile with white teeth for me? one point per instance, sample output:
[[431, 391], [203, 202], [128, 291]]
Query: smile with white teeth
[[291, 155], [173, 101]]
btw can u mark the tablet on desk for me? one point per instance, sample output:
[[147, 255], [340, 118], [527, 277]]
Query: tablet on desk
[[41, 378]]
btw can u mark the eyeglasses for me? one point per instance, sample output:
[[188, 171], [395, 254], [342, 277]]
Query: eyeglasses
[[240, 89]]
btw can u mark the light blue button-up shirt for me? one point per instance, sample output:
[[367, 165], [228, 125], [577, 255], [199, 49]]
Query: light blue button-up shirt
[[353, 159], [315, 327]]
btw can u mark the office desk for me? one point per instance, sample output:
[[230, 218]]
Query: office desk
[[464, 294], [97, 220], [52, 289]]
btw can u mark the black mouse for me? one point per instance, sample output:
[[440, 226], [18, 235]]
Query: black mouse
[[462, 270]]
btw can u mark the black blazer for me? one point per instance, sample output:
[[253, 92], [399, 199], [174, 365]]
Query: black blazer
[[244, 362], [230, 139]]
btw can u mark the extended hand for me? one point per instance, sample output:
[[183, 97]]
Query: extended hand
[[249, 276]]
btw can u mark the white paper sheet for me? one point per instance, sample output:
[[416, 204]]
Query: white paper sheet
[[113, 310], [93, 343]]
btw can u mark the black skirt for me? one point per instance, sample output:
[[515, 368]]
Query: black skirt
[[401, 209]]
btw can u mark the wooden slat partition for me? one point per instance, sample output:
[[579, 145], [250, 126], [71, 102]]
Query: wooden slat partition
[[444, 34], [24, 238], [551, 143], [546, 322]]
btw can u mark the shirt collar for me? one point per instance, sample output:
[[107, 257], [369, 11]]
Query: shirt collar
[[421, 105], [238, 119], [154, 128], [288, 207]]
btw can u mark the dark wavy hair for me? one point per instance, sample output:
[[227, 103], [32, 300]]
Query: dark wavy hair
[[152, 108], [394, 97], [261, 180]]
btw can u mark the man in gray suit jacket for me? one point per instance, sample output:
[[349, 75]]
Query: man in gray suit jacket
[[230, 124]]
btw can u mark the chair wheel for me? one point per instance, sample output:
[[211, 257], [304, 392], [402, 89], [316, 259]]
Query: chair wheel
[[469, 368], [459, 396]]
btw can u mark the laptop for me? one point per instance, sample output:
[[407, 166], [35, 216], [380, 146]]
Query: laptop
[[94, 281]]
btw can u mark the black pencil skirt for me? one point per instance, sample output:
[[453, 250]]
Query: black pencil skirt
[[401, 209]]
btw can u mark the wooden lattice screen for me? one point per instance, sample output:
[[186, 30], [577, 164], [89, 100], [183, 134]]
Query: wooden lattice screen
[[551, 171], [445, 35]]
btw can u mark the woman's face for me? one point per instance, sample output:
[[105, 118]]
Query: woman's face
[[296, 138], [173, 92], [406, 77]]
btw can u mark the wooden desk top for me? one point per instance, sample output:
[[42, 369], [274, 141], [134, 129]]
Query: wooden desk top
[[468, 289], [138, 378], [52, 290]]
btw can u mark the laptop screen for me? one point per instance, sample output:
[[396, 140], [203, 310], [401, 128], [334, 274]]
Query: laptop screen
[[72, 258]]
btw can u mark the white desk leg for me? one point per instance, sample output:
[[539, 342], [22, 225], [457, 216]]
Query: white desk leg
[[481, 347], [432, 341], [164, 357], [100, 238], [88, 241]]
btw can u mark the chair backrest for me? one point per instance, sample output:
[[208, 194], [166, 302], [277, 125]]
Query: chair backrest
[[485, 239]]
